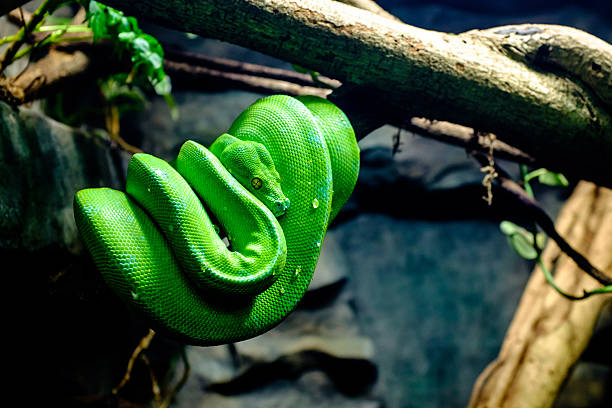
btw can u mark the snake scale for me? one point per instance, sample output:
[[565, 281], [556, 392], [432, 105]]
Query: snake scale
[[269, 182]]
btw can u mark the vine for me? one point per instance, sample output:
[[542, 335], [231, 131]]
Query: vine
[[529, 244]]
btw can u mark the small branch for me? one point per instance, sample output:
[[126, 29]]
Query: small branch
[[154, 383], [142, 345], [535, 211], [254, 70], [463, 136], [198, 77], [56, 69]]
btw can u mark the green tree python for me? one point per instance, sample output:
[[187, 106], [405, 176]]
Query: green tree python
[[274, 182]]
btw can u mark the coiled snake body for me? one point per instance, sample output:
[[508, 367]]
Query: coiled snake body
[[158, 249]]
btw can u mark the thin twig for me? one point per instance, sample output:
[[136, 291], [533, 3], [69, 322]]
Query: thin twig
[[142, 345]]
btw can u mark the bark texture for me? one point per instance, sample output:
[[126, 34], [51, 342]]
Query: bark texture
[[548, 332], [549, 110]]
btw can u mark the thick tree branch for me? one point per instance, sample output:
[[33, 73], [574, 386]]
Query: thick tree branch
[[463, 79]]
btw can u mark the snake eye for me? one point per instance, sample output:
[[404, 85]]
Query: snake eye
[[256, 183]]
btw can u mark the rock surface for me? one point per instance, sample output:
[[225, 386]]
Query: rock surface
[[43, 164]]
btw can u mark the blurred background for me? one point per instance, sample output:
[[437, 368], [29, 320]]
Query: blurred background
[[413, 293]]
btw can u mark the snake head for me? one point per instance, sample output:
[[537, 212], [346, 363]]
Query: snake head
[[251, 164]]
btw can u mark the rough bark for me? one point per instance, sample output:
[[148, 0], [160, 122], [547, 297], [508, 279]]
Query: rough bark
[[469, 79], [548, 332]]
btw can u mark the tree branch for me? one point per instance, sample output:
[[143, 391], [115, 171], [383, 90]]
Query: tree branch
[[467, 138], [202, 72], [463, 79]]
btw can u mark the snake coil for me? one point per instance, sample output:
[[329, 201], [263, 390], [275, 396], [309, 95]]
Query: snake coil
[[274, 182]]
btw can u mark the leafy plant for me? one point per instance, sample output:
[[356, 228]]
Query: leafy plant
[[144, 51]]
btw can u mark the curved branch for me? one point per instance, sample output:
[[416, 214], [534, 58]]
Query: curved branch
[[463, 78]]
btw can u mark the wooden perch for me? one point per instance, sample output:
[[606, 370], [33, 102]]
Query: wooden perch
[[548, 332], [469, 79]]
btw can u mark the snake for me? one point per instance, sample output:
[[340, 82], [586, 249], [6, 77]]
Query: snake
[[220, 244]]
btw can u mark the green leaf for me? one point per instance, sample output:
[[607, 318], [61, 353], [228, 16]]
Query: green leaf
[[145, 52], [522, 246], [127, 37], [97, 20], [163, 87], [520, 239], [509, 228], [553, 179]]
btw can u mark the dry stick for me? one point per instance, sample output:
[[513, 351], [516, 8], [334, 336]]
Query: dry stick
[[531, 206], [154, 383], [142, 345]]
